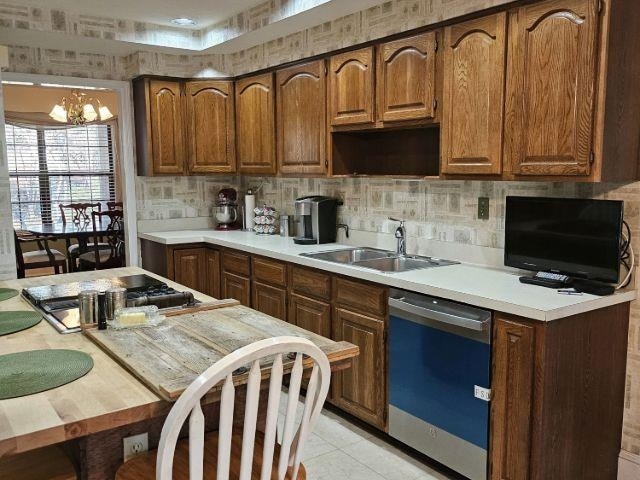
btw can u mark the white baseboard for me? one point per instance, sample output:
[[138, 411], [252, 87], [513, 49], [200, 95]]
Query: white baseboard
[[628, 466]]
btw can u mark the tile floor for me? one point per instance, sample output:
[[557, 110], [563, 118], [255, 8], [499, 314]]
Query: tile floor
[[339, 450]]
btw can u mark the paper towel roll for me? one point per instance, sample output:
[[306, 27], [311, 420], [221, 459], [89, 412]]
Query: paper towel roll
[[249, 214]]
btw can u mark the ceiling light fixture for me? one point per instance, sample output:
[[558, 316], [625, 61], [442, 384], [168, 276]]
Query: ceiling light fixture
[[12, 82], [79, 109], [184, 22]]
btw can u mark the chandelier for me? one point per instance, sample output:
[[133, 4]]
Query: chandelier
[[79, 109]]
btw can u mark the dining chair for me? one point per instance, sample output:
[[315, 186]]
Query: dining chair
[[79, 214], [244, 454], [115, 205], [108, 248], [44, 257]]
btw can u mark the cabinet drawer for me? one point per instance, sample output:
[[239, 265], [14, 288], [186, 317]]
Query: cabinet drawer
[[270, 271], [310, 282], [236, 262], [364, 297]]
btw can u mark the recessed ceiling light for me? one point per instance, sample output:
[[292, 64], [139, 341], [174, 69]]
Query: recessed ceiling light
[[184, 22]]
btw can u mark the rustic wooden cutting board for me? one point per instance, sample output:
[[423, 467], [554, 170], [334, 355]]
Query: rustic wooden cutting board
[[168, 357]]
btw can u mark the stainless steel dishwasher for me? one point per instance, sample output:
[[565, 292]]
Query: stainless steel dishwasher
[[439, 367]]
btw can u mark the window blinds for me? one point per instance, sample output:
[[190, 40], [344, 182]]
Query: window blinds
[[52, 166]]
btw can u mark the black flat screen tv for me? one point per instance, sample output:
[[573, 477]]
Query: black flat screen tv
[[575, 237]]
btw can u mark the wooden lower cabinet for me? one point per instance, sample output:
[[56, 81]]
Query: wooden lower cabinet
[[361, 389], [236, 286], [212, 279], [312, 315], [270, 300], [558, 396], [512, 389], [189, 268]]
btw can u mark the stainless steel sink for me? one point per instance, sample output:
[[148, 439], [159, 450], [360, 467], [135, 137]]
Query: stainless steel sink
[[403, 263], [381, 260], [350, 255]]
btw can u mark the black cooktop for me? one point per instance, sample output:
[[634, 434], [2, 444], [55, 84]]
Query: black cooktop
[[133, 283], [59, 303]]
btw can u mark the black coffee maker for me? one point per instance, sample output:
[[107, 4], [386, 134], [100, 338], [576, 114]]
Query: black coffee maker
[[316, 219]]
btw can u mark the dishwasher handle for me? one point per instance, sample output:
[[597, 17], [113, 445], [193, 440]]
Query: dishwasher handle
[[436, 314]]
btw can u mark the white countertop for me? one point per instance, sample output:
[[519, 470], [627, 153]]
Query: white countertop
[[484, 287]]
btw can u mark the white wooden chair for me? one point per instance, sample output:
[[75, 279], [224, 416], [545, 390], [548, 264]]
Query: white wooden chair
[[261, 458]]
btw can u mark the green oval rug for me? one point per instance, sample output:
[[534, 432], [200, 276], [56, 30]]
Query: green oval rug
[[11, 322], [7, 293], [25, 373]]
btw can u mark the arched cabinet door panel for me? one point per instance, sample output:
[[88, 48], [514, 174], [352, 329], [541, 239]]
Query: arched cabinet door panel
[[301, 119], [473, 96], [255, 125], [351, 87], [406, 78], [551, 72], [166, 127], [210, 127]]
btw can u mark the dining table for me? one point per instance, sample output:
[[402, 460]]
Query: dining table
[[82, 232]]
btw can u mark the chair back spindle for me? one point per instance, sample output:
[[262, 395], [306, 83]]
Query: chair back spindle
[[256, 355]]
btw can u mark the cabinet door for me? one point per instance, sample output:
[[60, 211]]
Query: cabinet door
[[212, 280], [551, 71], [351, 93], [309, 314], [301, 119], [210, 127], [361, 389], [255, 125], [473, 99], [406, 78], [166, 125], [511, 386], [269, 300], [236, 286], [189, 268]]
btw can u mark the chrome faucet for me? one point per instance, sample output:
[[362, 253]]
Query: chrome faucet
[[401, 236], [346, 228]]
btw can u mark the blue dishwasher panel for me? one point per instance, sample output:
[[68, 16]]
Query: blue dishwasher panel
[[432, 377]]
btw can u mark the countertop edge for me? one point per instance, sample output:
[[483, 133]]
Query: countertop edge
[[395, 282]]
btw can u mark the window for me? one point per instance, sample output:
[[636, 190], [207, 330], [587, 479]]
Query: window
[[52, 166]]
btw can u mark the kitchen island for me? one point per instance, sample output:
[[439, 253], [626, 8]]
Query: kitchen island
[[93, 413]]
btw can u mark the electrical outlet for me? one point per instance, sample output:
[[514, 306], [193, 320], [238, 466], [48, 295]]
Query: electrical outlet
[[483, 208], [135, 445]]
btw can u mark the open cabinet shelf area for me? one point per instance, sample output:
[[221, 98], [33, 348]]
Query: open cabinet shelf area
[[398, 153]]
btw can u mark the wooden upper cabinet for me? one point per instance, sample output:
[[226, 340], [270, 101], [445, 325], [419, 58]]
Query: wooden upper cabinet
[[165, 127], [406, 78], [301, 119], [351, 87], [551, 72], [255, 125], [473, 96], [210, 127]]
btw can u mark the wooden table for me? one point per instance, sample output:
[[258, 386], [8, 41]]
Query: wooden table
[[82, 232], [106, 399]]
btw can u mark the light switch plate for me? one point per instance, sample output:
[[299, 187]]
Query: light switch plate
[[483, 208], [135, 445]]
